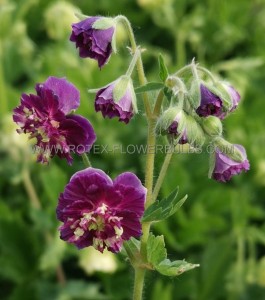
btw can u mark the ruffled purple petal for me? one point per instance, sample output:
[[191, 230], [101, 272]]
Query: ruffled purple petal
[[131, 191], [89, 185], [131, 225], [78, 132], [68, 95]]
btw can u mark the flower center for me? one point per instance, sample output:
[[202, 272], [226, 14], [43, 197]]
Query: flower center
[[103, 226]]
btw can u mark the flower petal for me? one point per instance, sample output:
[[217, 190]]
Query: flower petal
[[68, 94]]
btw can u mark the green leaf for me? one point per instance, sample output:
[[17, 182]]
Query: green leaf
[[157, 257], [132, 248], [156, 251], [103, 23], [150, 86], [175, 268], [163, 209], [163, 71]]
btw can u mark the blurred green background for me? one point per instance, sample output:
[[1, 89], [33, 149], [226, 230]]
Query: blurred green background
[[221, 226]]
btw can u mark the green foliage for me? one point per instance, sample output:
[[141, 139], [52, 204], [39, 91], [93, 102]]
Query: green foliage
[[163, 209], [157, 257], [163, 71], [150, 86]]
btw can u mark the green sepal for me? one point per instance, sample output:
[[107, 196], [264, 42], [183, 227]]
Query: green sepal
[[150, 86], [81, 17], [163, 71], [157, 258], [174, 268], [228, 149], [168, 117], [222, 93], [161, 210], [113, 41], [120, 88], [194, 132], [212, 160], [194, 94], [103, 23]]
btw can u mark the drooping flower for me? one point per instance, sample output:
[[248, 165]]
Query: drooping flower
[[211, 104], [93, 36], [99, 212], [46, 117], [225, 167], [117, 100]]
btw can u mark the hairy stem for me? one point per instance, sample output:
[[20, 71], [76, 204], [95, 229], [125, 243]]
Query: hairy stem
[[162, 173], [139, 64]]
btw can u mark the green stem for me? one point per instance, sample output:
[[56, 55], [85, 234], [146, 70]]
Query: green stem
[[140, 67], [158, 104], [138, 283], [86, 160], [162, 173], [133, 62]]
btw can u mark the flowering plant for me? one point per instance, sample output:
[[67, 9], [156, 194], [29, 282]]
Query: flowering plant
[[118, 214]]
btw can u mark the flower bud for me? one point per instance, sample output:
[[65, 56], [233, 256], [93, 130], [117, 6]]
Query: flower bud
[[117, 99], [180, 128], [212, 126]]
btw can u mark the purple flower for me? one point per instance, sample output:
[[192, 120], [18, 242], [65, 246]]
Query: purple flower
[[46, 118], [225, 167], [99, 212], [93, 43], [211, 104], [123, 107]]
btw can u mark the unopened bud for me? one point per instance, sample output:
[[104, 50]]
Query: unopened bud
[[212, 126]]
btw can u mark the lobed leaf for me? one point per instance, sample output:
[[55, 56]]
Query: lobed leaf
[[150, 86], [163, 209]]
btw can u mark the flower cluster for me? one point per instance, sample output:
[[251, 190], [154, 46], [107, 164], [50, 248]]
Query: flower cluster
[[47, 117], [195, 116], [99, 212]]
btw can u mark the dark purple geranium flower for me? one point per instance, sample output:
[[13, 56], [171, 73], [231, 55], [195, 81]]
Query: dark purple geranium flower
[[211, 104], [99, 212], [45, 116], [93, 43], [123, 108], [225, 167]]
